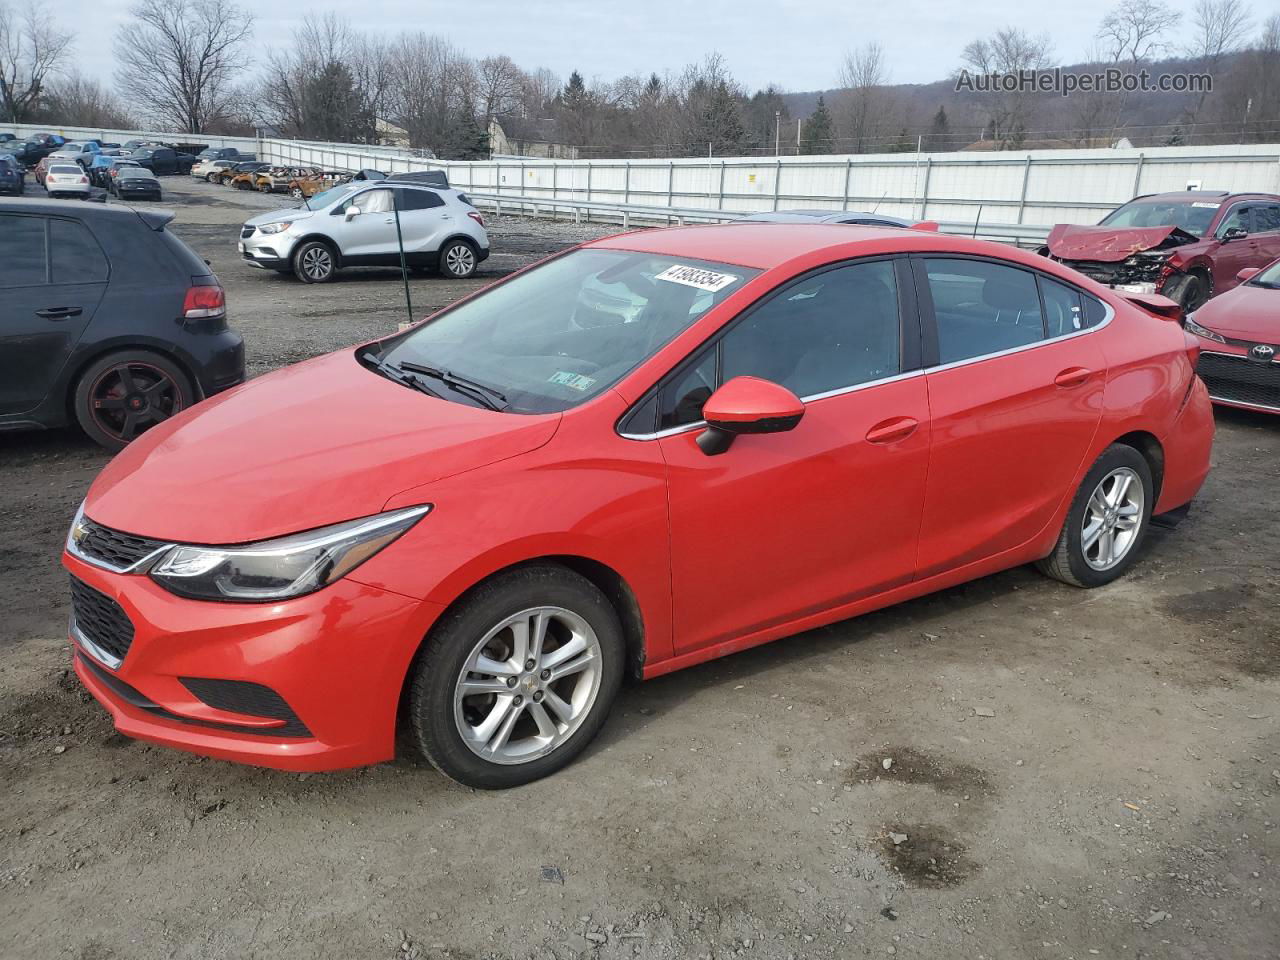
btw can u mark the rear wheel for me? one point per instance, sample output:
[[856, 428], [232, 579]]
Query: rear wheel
[[1107, 521], [124, 394], [515, 682], [313, 262], [210, 178], [458, 259]]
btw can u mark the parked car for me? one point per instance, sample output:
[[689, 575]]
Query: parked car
[[66, 179], [78, 152], [90, 296], [241, 176], [26, 152], [135, 183], [1240, 341], [225, 153], [1188, 246], [46, 143], [853, 217], [40, 170], [162, 160], [100, 165], [13, 179], [355, 225], [121, 163], [275, 179], [211, 170], [309, 183], [851, 419], [6, 137]]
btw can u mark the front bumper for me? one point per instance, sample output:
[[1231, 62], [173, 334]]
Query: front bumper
[[336, 659], [1236, 380], [268, 252]]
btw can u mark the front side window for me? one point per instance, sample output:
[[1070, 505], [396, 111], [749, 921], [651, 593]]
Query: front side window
[[561, 333], [372, 201], [832, 330], [982, 307], [1237, 219]]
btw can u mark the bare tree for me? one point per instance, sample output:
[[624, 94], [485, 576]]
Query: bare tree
[[539, 89], [80, 101], [862, 74], [31, 51], [1219, 27], [1135, 30], [1008, 51], [433, 90], [499, 84], [178, 59]]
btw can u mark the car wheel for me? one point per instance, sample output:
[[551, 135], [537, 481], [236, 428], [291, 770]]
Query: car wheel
[[122, 395], [296, 193], [515, 681], [458, 259], [209, 178], [1107, 521], [313, 262], [1191, 291]]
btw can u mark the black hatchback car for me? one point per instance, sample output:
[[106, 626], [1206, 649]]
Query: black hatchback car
[[106, 319]]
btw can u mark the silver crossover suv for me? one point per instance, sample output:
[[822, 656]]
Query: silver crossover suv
[[354, 225]]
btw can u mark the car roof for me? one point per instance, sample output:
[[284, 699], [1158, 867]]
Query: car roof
[[821, 216], [83, 211]]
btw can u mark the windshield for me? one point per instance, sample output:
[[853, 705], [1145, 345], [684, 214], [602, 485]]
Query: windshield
[[326, 197], [136, 173], [1267, 277], [558, 335], [1193, 216]]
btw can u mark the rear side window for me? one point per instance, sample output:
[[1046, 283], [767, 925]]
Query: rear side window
[[982, 307], [1266, 218], [1095, 311], [22, 251], [418, 199], [1062, 312], [77, 258]]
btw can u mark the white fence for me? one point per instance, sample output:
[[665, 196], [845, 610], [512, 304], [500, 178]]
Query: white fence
[[26, 130], [1033, 188]]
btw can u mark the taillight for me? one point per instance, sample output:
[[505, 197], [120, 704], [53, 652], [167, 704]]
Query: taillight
[[204, 300], [476, 217], [84, 179]]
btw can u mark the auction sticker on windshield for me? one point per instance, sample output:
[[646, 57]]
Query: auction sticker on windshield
[[708, 280], [574, 381]]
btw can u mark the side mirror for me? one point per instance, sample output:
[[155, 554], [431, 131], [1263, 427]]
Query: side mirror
[[351, 214], [1248, 273], [747, 405], [1235, 233]]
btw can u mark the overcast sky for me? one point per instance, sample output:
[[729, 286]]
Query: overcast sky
[[797, 44]]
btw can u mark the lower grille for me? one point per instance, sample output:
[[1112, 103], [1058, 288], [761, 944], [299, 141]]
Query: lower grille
[[251, 699], [101, 619], [1239, 380]]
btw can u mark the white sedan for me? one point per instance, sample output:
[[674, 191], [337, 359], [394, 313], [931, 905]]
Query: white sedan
[[66, 179]]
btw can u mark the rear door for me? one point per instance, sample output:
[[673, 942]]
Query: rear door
[[1266, 230], [1016, 379], [52, 276]]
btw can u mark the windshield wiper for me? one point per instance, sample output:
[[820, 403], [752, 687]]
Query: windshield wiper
[[485, 394], [394, 373]]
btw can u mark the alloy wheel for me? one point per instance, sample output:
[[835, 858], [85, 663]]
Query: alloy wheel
[[1112, 518], [317, 263], [528, 685], [459, 260], [128, 398]]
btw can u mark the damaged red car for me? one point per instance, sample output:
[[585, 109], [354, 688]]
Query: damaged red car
[[1188, 246]]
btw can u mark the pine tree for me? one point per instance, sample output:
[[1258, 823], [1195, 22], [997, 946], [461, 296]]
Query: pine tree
[[938, 131], [819, 131]]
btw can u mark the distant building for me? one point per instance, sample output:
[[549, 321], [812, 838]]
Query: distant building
[[390, 135], [1091, 143], [517, 136]]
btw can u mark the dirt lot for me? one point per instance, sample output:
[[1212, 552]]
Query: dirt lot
[[1074, 774]]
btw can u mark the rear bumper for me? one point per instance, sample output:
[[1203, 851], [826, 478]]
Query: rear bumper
[[220, 364], [1187, 451], [333, 662]]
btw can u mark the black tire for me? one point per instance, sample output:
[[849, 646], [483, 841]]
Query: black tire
[[296, 193], [209, 177], [123, 394], [314, 262], [1191, 291], [1069, 561], [438, 670], [458, 260]]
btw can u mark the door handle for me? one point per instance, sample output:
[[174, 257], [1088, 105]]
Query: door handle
[[59, 313], [1072, 376], [895, 428]]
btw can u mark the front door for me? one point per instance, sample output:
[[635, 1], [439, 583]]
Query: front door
[[788, 524], [371, 233], [52, 276]]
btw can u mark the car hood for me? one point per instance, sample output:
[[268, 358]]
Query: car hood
[[317, 443], [1245, 313], [277, 216], [1112, 244]]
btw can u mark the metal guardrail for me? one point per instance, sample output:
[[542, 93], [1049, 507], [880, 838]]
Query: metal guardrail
[[1020, 234]]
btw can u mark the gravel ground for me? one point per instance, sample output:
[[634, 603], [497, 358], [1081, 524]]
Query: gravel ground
[[1009, 769]]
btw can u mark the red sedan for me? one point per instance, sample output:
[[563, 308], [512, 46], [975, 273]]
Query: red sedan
[[1240, 342], [636, 456]]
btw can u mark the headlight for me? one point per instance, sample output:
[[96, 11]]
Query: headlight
[[275, 227], [1201, 331], [286, 567]]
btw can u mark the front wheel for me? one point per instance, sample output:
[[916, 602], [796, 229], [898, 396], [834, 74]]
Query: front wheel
[[458, 260], [313, 262], [515, 682], [1107, 521]]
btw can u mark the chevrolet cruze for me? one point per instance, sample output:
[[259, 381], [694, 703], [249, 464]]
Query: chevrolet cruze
[[472, 531]]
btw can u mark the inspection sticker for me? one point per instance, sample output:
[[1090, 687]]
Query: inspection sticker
[[574, 381], [697, 277]]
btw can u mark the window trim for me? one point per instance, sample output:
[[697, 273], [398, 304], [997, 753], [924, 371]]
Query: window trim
[[929, 319], [910, 347], [1227, 212]]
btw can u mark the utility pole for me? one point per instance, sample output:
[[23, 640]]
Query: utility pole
[[798, 122], [1248, 105], [777, 132]]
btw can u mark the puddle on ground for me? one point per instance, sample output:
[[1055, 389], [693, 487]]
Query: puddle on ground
[[929, 857], [914, 766]]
